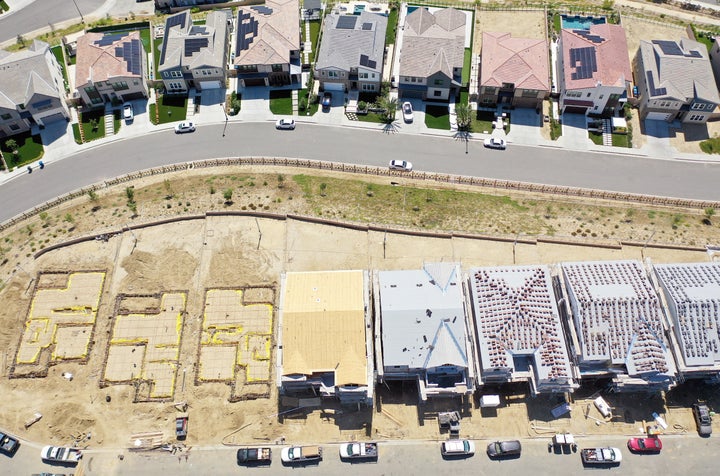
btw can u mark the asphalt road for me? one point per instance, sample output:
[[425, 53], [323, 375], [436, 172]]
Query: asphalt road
[[372, 147], [43, 13], [686, 454]]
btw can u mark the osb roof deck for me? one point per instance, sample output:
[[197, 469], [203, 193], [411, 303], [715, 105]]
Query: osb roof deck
[[324, 325]]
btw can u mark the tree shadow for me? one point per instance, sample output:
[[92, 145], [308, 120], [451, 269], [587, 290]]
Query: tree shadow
[[390, 127]]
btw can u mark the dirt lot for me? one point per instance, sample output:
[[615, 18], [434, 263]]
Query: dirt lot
[[232, 252], [530, 24]]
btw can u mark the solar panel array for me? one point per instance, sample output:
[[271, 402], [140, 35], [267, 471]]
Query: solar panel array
[[130, 51], [247, 31], [589, 36], [108, 40], [346, 22], [194, 45], [366, 61], [584, 61], [262, 9], [669, 47], [176, 20], [367, 26], [651, 85]]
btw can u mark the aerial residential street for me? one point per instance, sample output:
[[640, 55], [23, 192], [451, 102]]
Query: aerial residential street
[[396, 458], [38, 15], [438, 154]]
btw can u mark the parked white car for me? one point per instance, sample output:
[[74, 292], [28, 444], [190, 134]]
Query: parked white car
[[495, 143], [128, 113], [402, 165], [288, 124], [457, 448], [185, 127], [407, 111]]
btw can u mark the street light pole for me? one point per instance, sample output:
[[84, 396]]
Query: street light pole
[[226, 118], [82, 20]]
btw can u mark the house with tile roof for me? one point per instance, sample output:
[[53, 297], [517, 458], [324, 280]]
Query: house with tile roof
[[675, 81], [422, 330], [32, 89], [594, 70], [110, 68], [432, 54], [267, 44], [352, 52], [194, 56], [175, 4], [513, 71]]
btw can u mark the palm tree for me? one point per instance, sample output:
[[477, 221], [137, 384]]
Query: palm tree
[[390, 106], [464, 116]]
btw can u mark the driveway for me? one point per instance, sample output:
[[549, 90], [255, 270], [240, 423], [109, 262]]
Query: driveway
[[525, 126], [657, 135], [255, 104], [574, 132]]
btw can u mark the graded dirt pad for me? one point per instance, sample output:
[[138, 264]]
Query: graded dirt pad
[[241, 253], [526, 24]]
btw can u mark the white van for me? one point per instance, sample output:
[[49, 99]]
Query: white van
[[457, 448]]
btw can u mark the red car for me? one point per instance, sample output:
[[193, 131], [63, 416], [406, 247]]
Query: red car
[[645, 445]]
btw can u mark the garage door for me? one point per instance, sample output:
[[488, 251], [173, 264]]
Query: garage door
[[334, 86], [574, 110], [55, 117], [658, 116], [210, 85]]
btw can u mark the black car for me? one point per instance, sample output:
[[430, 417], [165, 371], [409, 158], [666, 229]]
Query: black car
[[499, 449], [702, 419], [326, 100]]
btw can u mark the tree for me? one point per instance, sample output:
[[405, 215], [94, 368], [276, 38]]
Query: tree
[[227, 195], [464, 116], [390, 106], [12, 145]]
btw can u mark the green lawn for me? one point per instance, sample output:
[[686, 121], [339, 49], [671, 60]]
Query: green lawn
[[391, 27], [116, 121], [30, 148], [87, 127], [437, 117], [281, 102], [172, 109], [621, 140], [147, 43], [482, 122], [314, 36], [312, 108], [76, 133], [467, 63], [58, 52], [596, 137], [371, 117]]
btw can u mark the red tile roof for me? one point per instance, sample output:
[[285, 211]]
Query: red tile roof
[[100, 63], [521, 61]]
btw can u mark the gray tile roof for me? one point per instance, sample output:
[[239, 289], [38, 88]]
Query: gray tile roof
[[25, 73], [432, 43], [682, 68], [423, 317], [341, 48], [180, 34]]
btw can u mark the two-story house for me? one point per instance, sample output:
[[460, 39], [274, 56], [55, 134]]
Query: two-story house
[[513, 71], [675, 81], [431, 59], [194, 56], [110, 68], [352, 52], [594, 70], [32, 89], [267, 45]]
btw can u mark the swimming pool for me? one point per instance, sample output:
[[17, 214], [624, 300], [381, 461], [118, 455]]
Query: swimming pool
[[359, 9], [576, 22]]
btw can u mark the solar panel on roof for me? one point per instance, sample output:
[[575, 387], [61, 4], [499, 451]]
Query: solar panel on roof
[[651, 85], [669, 48], [176, 20], [346, 22], [262, 9], [693, 54], [367, 62], [595, 38], [367, 26], [193, 45], [247, 31], [108, 40], [584, 61]]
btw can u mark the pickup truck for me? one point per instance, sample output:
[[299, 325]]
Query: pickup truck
[[8, 444], [601, 455], [301, 454], [358, 451], [254, 455], [61, 454]]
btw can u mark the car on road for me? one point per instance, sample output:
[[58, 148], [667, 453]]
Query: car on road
[[495, 143], [644, 445], [128, 113], [457, 448], [326, 100], [183, 127], [499, 449], [288, 124], [407, 111], [702, 419], [402, 165]]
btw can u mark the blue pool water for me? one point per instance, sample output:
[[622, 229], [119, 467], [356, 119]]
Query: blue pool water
[[359, 9], [576, 22]]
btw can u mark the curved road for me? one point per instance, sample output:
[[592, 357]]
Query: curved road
[[372, 147]]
